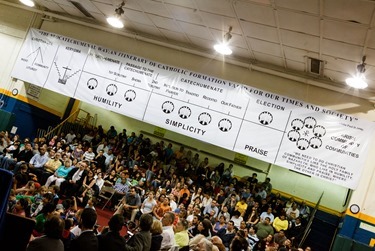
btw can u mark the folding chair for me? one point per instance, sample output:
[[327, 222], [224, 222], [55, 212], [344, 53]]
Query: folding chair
[[106, 193]]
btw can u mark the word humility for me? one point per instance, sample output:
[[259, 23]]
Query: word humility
[[185, 127], [107, 101]]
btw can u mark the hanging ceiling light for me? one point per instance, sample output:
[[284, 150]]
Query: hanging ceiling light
[[359, 80], [115, 20], [223, 47], [29, 3]]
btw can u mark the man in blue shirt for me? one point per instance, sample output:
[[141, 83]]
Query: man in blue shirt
[[38, 161]]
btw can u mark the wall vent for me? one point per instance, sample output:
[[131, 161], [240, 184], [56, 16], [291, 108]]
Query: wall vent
[[315, 66]]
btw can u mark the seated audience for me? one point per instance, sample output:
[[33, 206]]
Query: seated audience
[[193, 204]]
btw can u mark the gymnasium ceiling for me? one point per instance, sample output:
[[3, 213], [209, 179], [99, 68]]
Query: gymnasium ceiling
[[275, 36]]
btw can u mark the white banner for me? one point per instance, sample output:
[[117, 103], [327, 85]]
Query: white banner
[[293, 134]]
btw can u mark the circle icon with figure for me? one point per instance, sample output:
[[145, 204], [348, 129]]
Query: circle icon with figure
[[130, 95], [302, 144], [92, 83], [315, 142], [265, 118], [310, 122], [167, 107], [306, 133], [319, 131], [297, 124], [184, 112], [293, 135], [111, 89], [204, 118], [225, 125]]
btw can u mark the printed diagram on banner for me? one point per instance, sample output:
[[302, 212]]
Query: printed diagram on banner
[[192, 120], [129, 96], [109, 94], [204, 118], [306, 133], [319, 146], [37, 54], [290, 133], [63, 77], [67, 67], [35, 59]]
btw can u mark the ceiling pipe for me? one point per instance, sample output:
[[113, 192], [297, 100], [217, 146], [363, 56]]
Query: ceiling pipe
[[330, 85]]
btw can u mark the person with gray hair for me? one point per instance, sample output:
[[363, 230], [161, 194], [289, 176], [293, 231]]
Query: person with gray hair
[[168, 233], [200, 243], [181, 235]]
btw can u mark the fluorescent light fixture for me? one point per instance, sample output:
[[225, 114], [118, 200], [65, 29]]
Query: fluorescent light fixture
[[115, 20], [223, 47], [358, 81], [29, 3]]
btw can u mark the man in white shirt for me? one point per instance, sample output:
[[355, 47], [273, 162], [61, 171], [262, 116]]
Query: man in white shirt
[[37, 162], [268, 214], [103, 146], [172, 202], [89, 155], [210, 207], [168, 233], [109, 157], [292, 213], [69, 137], [262, 193]]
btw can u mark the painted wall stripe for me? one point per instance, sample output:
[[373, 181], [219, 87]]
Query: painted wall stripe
[[30, 102]]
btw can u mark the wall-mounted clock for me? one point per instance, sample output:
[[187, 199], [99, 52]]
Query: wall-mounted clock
[[15, 92], [354, 209]]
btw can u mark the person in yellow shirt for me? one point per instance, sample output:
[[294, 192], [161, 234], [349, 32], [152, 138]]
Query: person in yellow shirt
[[280, 223], [50, 166], [181, 235], [241, 206]]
